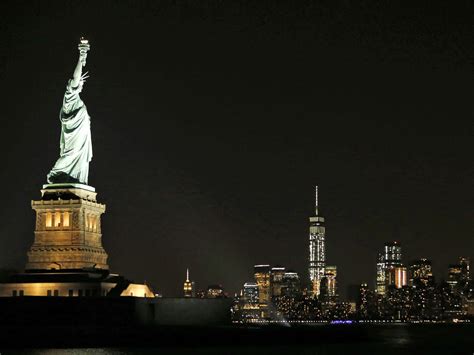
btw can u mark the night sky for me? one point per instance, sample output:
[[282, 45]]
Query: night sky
[[212, 122]]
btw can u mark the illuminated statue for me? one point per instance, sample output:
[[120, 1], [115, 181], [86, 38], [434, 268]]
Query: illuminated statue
[[75, 144]]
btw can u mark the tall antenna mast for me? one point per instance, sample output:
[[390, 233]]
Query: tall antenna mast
[[187, 274], [316, 199]]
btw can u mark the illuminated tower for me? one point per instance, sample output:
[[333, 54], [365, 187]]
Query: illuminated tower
[[381, 279], [330, 275], [262, 279], [277, 280], [392, 259], [291, 284], [250, 292], [458, 274], [188, 287], [400, 276], [464, 263], [317, 252]]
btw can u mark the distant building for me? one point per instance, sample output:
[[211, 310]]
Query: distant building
[[317, 249], [250, 292], [331, 276], [393, 254], [329, 285], [363, 300], [277, 274], [188, 287], [215, 291], [291, 285], [246, 308], [420, 273], [399, 276], [465, 264], [263, 280], [381, 278], [201, 294], [458, 274], [392, 258]]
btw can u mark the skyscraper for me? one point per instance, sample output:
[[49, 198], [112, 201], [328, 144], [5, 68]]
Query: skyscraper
[[262, 275], [262, 279], [250, 292], [420, 273], [277, 279], [291, 284], [188, 287], [331, 274], [458, 274], [381, 279], [392, 258], [317, 251], [464, 263], [393, 254], [399, 276], [363, 300]]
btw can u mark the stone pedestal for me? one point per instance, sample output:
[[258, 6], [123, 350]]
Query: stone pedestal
[[68, 229]]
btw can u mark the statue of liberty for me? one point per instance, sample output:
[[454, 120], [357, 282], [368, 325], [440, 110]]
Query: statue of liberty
[[75, 144]]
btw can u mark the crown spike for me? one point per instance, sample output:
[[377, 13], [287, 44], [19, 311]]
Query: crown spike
[[316, 199]]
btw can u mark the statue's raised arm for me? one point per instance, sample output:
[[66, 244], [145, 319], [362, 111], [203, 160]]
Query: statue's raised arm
[[83, 47], [75, 152]]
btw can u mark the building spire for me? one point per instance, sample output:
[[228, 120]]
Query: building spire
[[316, 200], [187, 274]]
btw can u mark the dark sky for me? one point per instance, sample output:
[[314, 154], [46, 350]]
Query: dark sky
[[212, 122]]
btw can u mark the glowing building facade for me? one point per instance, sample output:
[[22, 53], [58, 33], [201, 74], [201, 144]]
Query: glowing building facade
[[399, 276], [464, 263], [458, 274], [250, 292], [331, 281], [380, 287], [291, 284], [215, 291], [263, 280], [392, 260], [317, 249], [420, 273], [188, 287], [277, 274]]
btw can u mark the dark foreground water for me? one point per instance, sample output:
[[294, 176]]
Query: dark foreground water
[[398, 339]]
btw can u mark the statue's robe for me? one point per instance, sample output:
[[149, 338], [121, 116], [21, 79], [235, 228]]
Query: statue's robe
[[75, 143]]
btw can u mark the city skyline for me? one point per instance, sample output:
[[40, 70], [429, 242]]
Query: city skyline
[[222, 131]]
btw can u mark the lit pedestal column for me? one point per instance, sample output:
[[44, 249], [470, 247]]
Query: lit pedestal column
[[68, 229]]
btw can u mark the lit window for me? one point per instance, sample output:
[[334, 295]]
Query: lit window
[[66, 219], [89, 222], [49, 219], [57, 219]]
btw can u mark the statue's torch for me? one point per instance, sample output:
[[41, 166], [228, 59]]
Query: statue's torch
[[84, 47]]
